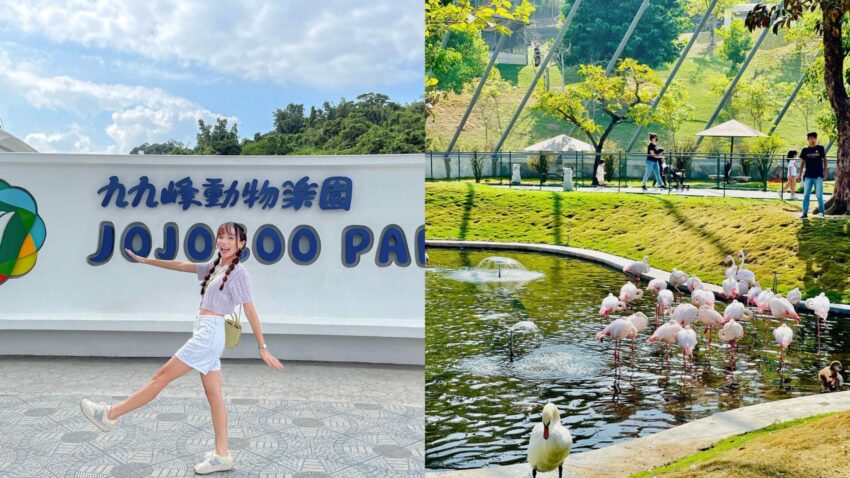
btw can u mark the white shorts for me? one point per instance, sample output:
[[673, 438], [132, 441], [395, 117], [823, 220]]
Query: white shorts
[[203, 351]]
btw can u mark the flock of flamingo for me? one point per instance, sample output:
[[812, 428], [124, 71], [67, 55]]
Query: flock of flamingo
[[674, 322]]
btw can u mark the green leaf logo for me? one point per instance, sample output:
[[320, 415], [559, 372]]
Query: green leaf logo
[[22, 231]]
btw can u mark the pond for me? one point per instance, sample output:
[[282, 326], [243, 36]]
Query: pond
[[497, 350]]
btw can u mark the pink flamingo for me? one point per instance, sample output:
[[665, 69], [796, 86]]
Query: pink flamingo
[[730, 287], [687, 339], [635, 269], [820, 306], [710, 318], [783, 335], [736, 311], [685, 314], [640, 321], [731, 332], [794, 296], [630, 293], [666, 333], [677, 278], [656, 285], [753, 294], [611, 304], [763, 301], [665, 300], [693, 283], [781, 309], [701, 297], [618, 330]]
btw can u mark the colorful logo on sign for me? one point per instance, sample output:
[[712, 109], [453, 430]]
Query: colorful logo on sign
[[22, 231]]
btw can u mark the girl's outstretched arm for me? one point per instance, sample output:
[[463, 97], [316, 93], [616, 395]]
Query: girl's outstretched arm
[[171, 265], [254, 320]]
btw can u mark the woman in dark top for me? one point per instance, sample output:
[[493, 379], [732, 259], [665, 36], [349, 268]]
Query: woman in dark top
[[813, 169], [653, 162]]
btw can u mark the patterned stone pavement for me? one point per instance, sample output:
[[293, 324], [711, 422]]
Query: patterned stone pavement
[[46, 435]]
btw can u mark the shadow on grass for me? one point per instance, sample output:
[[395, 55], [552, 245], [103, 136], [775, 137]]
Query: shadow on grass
[[710, 237], [468, 204], [557, 218], [824, 248]]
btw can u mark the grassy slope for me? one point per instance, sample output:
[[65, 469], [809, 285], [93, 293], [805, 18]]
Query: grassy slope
[[694, 75], [814, 446], [682, 232]]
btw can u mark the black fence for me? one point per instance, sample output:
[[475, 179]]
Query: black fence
[[720, 171]]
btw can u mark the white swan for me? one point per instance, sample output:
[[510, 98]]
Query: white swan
[[550, 443]]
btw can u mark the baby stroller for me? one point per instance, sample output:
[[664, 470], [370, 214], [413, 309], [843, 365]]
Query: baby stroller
[[675, 177]]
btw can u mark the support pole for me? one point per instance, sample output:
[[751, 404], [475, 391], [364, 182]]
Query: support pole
[[741, 71], [675, 70], [543, 65]]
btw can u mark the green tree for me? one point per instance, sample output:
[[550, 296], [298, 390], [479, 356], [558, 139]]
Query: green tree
[[169, 147], [290, 119], [737, 42], [489, 103], [218, 139], [463, 59], [835, 49], [598, 28], [699, 7]]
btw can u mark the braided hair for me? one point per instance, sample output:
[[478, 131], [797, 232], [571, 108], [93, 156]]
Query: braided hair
[[241, 235]]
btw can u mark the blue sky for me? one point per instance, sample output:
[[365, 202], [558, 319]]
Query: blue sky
[[83, 76]]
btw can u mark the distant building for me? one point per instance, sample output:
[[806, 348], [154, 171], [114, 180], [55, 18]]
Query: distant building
[[737, 12], [9, 143], [542, 27]]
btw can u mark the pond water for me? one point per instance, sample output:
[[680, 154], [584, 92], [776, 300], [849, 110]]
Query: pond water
[[499, 349]]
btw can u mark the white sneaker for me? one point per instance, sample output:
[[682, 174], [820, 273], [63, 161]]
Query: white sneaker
[[213, 463], [820, 215], [96, 413], [793, 196]]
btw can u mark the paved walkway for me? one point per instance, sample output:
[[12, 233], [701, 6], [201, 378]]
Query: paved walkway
[[310, 420], [697, 192], [633, 456]]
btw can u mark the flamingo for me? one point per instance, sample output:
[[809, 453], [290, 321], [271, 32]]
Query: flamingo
[[665, 300], [618, 330], [820, 306], [781, 309], [685, 314], [687, 339], [733, 269], [730, 286], [656, 285], [752, 295], [666, 333], [710, 318], [743, 288], [693, 283], [736, 311], [794, 296], [701, 297], [677, 278], [731, 332], [640, 321], [763, 301], [745, 274], [550, 443], [630, 293], [783, 335], [637, 268], [611, 304]]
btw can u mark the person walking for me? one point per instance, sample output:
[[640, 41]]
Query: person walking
[[225, 284], [813, 168], [653, 162]]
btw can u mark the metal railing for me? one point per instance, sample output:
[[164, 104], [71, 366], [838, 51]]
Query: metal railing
[[718, 171]]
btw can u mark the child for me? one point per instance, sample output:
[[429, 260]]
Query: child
[[791, 183], [600, 173]]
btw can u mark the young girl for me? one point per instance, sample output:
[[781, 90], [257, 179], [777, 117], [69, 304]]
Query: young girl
[[600, 173], [225, 285], [791, 183]]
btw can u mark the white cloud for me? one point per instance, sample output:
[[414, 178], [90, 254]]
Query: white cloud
[[139, 114], [329, 44], [72, 140]]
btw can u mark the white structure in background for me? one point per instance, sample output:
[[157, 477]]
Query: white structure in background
[[568, 179], [332, 281], [560, 144], [516, 178], [9, 143], [737, 12]]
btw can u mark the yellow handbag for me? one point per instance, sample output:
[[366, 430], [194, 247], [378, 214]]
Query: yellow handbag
[[233, 328]]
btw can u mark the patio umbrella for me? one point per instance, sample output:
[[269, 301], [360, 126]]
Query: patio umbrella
[[732, 129], [560, 143]]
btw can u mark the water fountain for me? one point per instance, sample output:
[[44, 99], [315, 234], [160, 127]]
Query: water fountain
[[496, 269]]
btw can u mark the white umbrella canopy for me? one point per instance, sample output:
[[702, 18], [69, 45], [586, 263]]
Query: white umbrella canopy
[[732, 129], [560, 143], [10, 143]]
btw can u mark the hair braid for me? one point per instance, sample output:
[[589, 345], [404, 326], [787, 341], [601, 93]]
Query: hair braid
[[230, 269], [209, 274]]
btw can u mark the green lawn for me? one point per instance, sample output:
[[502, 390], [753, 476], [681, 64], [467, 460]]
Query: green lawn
[[811, 447], [695, 75], [689, 233]]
